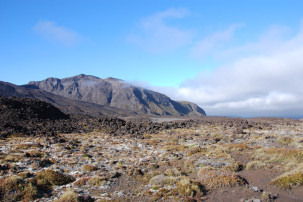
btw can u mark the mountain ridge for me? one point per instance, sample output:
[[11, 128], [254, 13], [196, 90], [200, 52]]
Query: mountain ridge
[[68, 106], [116, 93]]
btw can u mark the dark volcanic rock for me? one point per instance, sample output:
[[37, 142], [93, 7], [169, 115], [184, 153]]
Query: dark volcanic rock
[[28, 116], [27, 109], [117, 94]]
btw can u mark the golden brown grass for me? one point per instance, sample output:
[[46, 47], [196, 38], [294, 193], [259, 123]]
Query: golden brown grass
[[15, 189], [285, 140], [252, 165], [36, 153], [88, 168], [96, 181], [51, 178], [81, 182], [12, 158], [69, 196], [27, 146], [173, 184], [213, 179], [279, 155], [288, 180], [237, 147]]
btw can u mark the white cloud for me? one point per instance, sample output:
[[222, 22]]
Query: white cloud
[[53, 32], [265, 79], [260, 78], [156, 35]]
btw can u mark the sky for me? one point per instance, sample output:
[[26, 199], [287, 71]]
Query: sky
[[231, 57]]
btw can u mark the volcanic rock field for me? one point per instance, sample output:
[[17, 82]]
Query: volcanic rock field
[[63, 157]]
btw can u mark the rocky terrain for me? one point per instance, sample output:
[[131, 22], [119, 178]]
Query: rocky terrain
[[109, 159], [26, 116], [118, 94]]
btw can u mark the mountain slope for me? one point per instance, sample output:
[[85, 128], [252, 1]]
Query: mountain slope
[[68, 106], [116, 93]]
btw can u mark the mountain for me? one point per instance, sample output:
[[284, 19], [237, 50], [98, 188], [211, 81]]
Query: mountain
[[116, 93], [67, 105]]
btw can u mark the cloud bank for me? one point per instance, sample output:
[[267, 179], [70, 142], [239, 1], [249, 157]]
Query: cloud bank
[[264, 78], [60, 34], [261, 78]]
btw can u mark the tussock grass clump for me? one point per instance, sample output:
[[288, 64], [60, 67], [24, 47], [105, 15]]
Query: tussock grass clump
[[24, 175], [51, 178], [195, 150], [11, 188], [279, 155], [173, 184], [15, 189], [234, 166], [97, 181], [187, 187], [237, 147], [69, 196], [285, 140], [35, 153], [288, 180], [213, 179], [173, 172], [12, 158], [218, 151], [30, 192], [88, 168], [266, 196], [81, 182], [27, 146], [175, 147], [289, 160], [252, 165]]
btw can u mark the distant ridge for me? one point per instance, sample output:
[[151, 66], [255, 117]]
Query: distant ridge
[[67, 105], [118, 94]]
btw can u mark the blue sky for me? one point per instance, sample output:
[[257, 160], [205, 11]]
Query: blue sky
[[230, 57]]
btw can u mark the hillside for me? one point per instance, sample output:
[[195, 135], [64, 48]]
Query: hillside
[[68, 106], [118, 94]]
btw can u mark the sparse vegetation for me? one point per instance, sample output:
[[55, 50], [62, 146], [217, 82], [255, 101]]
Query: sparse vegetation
[[51, 178], [96, 181], [256, 165], [69, 196], [15, 189], [88, 168], [183, 163], [288, 180], [213, 179], [81, 182], [174, 183]]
